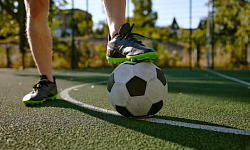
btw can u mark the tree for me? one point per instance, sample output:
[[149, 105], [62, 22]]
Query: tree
[[199, 38], [143, 14], [9, 28], [231, 19], [144, 17], [102, 30], [10, 20], [13, 20], [11, 17], [81, 25]]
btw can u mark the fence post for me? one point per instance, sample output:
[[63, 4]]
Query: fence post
[[245, 49], [22, 31], [190, 34], [208, 39], [212, 41], [74, 52], [8, 56], [87, 16]]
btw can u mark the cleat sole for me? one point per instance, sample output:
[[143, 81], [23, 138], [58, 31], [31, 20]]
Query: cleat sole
[[31, 103], [147, 56], [143, 57], [116, 60]]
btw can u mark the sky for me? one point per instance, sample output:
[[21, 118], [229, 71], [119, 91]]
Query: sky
[[166, 10]]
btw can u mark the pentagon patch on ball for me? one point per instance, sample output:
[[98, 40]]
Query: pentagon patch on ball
[[137, 89]]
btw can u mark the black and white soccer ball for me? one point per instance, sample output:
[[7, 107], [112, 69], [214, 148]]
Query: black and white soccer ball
[[137, 89]]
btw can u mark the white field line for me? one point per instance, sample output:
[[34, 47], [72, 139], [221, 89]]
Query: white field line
[[229, 78], [65, 95]]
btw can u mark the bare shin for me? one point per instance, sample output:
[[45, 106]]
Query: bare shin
[[115, 11], [39, 36]]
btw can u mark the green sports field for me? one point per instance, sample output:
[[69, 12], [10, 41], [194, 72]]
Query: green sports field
[[195, 97]]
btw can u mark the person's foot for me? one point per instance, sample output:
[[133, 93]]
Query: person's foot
[[125, 47], [43, 90]]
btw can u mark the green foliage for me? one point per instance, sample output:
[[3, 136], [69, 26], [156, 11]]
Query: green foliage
[[54, 9], [101, 52], [143, 14], [84, 56], [199, 36], [232, 17], [100, 59], [144, 18], [163, 56], [9, 28], [102, 30], [81, 25], [2, 58], [61, 53], [232, 24], [161, 34], [10, 18], [9, 24]]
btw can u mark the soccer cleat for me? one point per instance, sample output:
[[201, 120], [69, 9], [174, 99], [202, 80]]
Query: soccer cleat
[[42, 91], [125, 47]]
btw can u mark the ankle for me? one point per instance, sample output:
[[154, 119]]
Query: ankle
[[49, 77], [113, 33], [114, 29]]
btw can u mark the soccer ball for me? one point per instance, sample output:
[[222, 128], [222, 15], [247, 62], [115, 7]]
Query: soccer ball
[[137, 89]]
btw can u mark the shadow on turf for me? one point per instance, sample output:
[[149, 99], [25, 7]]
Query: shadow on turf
[[193, 138]]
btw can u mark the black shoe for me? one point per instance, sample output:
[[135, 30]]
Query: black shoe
[[43, 90], [125, 47]]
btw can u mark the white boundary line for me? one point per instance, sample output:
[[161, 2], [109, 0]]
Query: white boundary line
[[229, 78], [65, 95]]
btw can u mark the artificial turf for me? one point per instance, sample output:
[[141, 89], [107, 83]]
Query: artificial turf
[[194, 97]]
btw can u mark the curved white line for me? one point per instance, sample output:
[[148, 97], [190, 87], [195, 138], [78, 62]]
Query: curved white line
[[65, 95]]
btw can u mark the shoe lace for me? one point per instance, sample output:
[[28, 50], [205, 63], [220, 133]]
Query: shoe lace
[[40, 84], [131, 35]]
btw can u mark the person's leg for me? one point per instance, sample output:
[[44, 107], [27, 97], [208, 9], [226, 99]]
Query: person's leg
[[115, 10], [39, 36], [122, 45], [41, 47]]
